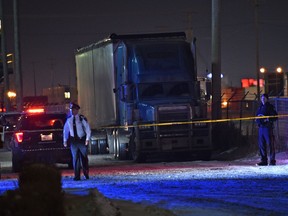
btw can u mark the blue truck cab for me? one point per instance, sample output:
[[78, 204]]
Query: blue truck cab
[[146, 95]]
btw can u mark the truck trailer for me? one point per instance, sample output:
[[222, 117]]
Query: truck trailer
[[141, 95]]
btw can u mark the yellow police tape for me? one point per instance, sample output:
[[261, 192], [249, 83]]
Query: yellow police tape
[[197, 122]]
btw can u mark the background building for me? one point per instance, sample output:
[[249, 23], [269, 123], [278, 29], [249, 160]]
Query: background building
[[60, 94]]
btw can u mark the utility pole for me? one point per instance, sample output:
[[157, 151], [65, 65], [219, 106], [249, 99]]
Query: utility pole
[[52, 80], [18, 71], [4, 60], [216, 61], [257, 48], [34, 78]]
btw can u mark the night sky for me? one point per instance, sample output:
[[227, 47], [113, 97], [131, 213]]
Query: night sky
[[51, 30]]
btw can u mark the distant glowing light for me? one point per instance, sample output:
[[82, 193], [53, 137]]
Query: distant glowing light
[[279, 70], [262, 70], [67, 95], [209, 76], [251, 82], [35, 110], [11, 94]]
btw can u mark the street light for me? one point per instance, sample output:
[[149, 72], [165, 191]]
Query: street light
[[277, 72], [209, 76], [11, 94], [262, 70]]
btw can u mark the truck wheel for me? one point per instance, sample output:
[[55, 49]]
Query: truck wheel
[[134, 153], [123, 151], [115, 144]]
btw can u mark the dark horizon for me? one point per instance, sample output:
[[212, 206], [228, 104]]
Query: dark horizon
[[51, 31]]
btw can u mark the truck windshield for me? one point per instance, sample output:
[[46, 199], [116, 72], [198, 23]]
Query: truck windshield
[[167, 58], [158, 90]]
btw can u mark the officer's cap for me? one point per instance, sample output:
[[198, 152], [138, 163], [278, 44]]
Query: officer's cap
[[74, 106]]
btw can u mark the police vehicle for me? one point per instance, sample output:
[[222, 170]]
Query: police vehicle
[[8, 122], [38, 138]]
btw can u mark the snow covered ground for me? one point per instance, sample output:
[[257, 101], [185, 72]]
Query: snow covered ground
[[190, 188]]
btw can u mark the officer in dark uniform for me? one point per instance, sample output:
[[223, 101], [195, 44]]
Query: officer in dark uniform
[[265, 133], [78, 131]]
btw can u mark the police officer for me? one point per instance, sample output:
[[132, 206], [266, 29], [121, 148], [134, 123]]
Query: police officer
[[78, 132], [265, 133]]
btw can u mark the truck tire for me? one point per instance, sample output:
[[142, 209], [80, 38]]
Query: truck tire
[[134, 152], [115, 143], [123, 151], [121, 146]]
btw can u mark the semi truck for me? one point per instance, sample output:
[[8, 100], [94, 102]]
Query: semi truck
[[141, 96]]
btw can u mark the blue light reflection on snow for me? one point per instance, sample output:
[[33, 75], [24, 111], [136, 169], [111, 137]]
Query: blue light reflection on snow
[[244, 196], [254, 194], [197, 193], [9, 184]]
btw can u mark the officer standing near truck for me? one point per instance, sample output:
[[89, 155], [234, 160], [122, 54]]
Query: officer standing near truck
[[265, 133], [78, 132]]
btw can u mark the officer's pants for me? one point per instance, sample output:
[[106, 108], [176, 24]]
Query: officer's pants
[[80, 157], [266, 137]]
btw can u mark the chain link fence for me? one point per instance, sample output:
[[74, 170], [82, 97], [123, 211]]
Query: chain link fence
[[237, 113]]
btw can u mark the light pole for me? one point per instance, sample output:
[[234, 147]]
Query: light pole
[[4, 61], [278, 71], [216, 60], [269, 75], [256, 17], [34, 78], [17, 63]]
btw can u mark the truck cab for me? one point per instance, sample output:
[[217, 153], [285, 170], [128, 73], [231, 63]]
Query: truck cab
[[159, 94]]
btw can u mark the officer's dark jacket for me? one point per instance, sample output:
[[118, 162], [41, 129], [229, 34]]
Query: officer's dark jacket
[[266, 110]]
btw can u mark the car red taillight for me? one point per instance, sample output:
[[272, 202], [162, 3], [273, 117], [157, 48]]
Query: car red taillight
[[19, 137]]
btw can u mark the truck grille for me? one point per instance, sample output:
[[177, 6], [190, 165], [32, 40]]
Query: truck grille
[[175, 115]]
